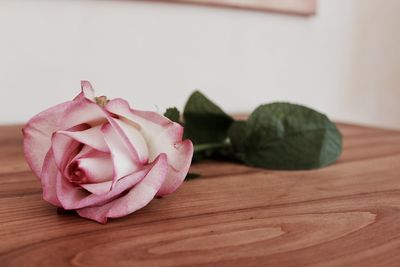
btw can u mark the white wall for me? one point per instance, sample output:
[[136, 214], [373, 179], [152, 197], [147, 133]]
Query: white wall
[[345, 61]]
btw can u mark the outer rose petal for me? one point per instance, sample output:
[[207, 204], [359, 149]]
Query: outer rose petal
[[176, 175], [48, 179], [38, 131], [87, 91], [162, 136], [83, 111], [37, 135], [138, 197]]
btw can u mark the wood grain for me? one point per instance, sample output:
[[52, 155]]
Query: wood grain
[[347, 214], [294, 7]]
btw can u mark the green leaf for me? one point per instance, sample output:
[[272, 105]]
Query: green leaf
[[237, 133], [205, 122], [286, 136], [212, 146], [173, 114]]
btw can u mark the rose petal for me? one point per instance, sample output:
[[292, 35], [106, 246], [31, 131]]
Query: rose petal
[[73, 197], [136, 139], [95, 165], [156, 129], [150, 123], [97, 169], [83, 111], [90, 113], [37, 135], [85, 151], [138, 197], [48, 179], [162, 136], [98, 188], [124, 164], [38, 131], [92, 137], [87, 91], [165, 141], [89, 152], [65, 148], [179, 158], [70, 195]]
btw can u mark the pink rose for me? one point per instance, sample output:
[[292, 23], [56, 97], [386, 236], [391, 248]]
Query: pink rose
[[104, 159]]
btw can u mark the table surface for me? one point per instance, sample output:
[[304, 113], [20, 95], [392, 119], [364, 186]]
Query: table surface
[[347, 214]]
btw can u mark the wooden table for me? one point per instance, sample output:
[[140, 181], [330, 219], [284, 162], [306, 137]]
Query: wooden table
[[347, 214]]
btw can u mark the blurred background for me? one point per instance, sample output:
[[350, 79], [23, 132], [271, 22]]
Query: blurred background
[[344, 61]]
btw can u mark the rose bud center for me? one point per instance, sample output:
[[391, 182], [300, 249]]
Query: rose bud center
[[75, 174]]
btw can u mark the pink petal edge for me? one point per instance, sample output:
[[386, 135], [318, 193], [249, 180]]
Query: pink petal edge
[[165, 137], [73, 197], [38, 130], [37, 135], [123, 163], [48, 179], [87, 91], [138, 197], [176, 176]]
